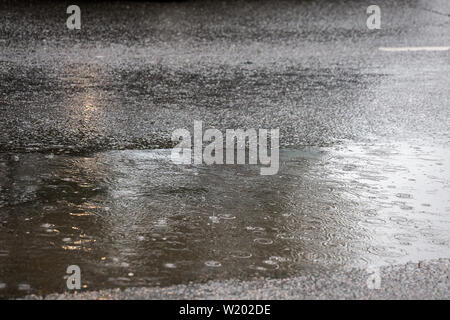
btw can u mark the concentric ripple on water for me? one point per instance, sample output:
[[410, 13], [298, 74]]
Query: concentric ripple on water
[[132, 218]]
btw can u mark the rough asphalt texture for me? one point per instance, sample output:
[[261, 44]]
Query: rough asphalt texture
[[138, 70], [424, 280]]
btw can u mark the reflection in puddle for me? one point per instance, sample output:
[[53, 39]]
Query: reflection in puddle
[[132, 218]]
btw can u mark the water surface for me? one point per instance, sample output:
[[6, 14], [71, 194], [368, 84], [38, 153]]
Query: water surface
[[133, 218]]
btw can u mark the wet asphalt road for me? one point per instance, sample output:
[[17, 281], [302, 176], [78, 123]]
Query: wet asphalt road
[[425, 281], [138, 70]]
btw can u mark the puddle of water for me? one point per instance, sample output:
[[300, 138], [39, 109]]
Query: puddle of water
[[132, 218]]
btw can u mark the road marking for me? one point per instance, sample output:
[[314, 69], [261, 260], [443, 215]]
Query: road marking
[[402, 49]]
